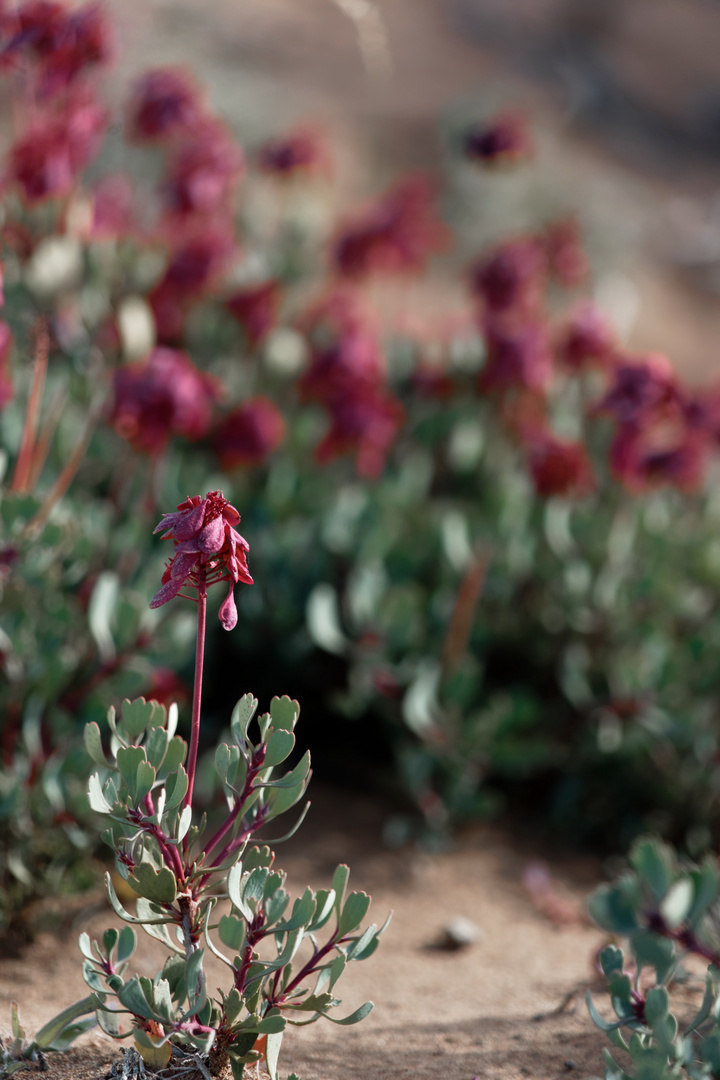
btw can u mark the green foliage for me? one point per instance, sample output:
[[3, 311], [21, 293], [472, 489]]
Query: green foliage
[[17, 1051], [200, 890], [666, 910]]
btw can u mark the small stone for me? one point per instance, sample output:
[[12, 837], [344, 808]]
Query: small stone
[[570, 1064], [459, 933]]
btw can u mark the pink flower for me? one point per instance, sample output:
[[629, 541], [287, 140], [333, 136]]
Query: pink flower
[[644, 459], [660, 438], [586, 340], [347, 376], [46, 162], [345, 351], [203, 172], [565, 254], [163, 396], [112, 207], [518, 356], [299, 152], [256, 309], [62, 43], [249, 434], [500, 141], [512, 276], [559, 467], [396, 235], [364, 422], [164, 104], [207, 550], [194, 266], [641, 390]]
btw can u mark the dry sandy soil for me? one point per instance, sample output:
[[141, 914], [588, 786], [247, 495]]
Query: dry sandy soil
[[439, 1014]]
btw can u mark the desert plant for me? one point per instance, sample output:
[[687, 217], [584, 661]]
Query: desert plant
[[667, 910], [185, 872]]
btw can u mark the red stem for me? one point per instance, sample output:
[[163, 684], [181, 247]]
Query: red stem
[[197, 689], [27, 445]]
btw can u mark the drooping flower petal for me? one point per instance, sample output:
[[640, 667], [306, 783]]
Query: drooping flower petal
[[228, 610]]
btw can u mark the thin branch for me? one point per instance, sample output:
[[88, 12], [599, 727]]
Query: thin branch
[[23, 464]]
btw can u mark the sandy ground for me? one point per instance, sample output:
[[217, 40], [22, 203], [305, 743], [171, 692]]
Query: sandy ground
[[439, 1015]]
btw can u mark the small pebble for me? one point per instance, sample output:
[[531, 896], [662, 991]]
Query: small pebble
[[570, 1064], [459, 933]]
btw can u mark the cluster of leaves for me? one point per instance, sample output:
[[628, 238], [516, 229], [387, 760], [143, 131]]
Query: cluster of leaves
[[193, 882], [668, 911], [17, 1051]]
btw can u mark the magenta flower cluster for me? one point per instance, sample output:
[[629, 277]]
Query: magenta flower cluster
[[207, 550]]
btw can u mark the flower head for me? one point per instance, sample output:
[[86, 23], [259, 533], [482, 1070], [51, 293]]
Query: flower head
[[299, 152], [502, 140], [207, 550], [395, 235], [164, 104], [518, 356], [586, 340], [256, 309], [511, 276], [162, 396], [249, 434], [559, 467], [203, 171]]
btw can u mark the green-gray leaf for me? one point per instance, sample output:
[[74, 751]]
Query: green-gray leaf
[[284, 712], [279, 745], [159, 886], [93, 744]]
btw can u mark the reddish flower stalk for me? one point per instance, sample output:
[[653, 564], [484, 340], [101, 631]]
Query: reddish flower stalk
[[27, 446], [207, 550], [197, 692]]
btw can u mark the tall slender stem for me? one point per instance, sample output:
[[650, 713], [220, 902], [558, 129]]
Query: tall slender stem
[[197, 689], [27, 445]]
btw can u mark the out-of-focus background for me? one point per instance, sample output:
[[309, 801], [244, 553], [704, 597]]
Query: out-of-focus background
[[624, 97]]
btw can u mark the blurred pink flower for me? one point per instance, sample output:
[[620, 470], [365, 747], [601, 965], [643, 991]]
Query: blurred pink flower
[[164, 103], [256, 309], [112, 214], [203, 171], [640, 390], [163, 396], [566, 257], [559, 467], [586, 340], [195, 265], [304, 151], [207, 550], [46, 161], [502, 140], [659, 438], [395, 235], [518, 355], [642, 460], [364, 422], [511, 276], [344, 350], [249, 433]]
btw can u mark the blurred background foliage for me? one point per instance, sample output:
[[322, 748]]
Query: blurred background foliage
[[482, 523]]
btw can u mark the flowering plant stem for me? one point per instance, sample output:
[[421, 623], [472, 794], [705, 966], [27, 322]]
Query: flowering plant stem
[[180, 871], [197, 689]]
